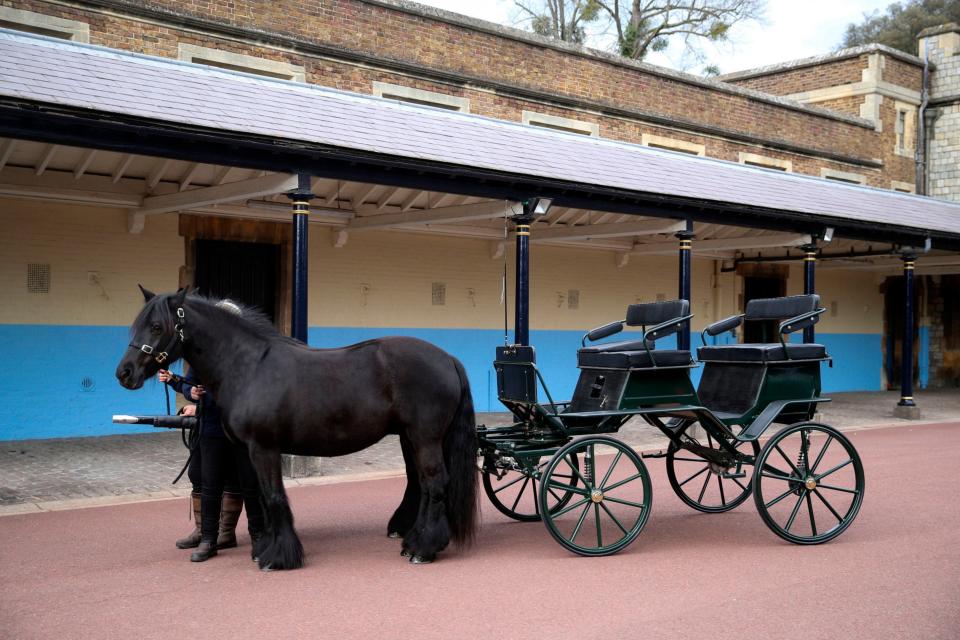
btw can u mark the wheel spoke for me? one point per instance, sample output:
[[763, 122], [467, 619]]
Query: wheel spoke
[[820, 455], [829, 506], [554, 494], [707, 468], [578, 474], [723, 499], [626, 502], [616, 485], [511, 483], [836, 468], [742, 486], [570, 507], [520, 494], [776, 477], [596, 515], [813, 522], [779, 498], [700, 460], [566, 487], [789, 461], [583, 516], [614, 518], [606, 476], [796, 509], [703, 489], [833, 488]]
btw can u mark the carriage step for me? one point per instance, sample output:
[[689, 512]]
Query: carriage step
[[731, 476], [658, 454]]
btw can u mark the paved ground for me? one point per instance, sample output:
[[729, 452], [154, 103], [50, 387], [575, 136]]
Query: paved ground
[[113, 572], [69, 472]]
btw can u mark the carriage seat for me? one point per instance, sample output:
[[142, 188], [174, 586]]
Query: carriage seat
[[658, 319], [760, 352], [632, 359]]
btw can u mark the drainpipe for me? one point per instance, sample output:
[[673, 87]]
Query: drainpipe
[[920, 180]]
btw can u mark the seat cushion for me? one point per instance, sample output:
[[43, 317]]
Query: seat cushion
[[623, 345], [632, 359], [760, 352]]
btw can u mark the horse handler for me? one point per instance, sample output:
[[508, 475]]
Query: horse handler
[[222, 476]]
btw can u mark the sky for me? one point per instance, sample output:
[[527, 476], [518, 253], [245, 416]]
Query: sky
[[792, 29]]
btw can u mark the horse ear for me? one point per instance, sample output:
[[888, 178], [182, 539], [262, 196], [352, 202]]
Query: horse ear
[[147, 295], [180, 296]]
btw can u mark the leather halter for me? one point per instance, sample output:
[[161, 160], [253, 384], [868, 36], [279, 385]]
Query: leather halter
[[178, 336]]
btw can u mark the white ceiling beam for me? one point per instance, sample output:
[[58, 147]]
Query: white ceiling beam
[[20, 182], [189, 175], [47, 157], [253, 188], [385, 198], [122, 167], [445, 215], [611, 230], [717, 245], [6, 150], [407, 204], [156, 174], [84, 164], [221, 176], [361, 195]]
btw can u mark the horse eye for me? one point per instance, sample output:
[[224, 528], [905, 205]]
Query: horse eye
[[155, 327]]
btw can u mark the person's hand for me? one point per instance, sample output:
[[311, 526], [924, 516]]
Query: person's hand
[[163, 375], [189, 410], [197, 391]]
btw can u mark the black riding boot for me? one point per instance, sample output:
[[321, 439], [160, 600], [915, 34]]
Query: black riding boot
[[209, 527]]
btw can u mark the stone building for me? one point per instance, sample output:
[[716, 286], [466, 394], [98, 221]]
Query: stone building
[[850, 116]]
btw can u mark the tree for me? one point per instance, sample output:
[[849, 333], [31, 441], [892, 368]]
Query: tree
[[640, 26], [560, 19], [899, 25]]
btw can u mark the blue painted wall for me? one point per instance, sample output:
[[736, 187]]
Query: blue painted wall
[[43, 367]]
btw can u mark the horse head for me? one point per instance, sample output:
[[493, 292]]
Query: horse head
[[156, 338]]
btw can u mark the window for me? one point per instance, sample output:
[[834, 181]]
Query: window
[[240, 62], [905, 128], [419, 96], [843, 176], [560, 124], [766, 162], [672, 144], [44, 25]]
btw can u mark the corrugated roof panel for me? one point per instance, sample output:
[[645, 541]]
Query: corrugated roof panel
[[69, 74]]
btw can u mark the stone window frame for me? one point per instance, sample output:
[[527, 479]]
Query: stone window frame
[[672, 144], [843, 176], [903, 187], [220, 59], [420, 96], [765, 162], [905, 140], [44, 25], [558, 123]]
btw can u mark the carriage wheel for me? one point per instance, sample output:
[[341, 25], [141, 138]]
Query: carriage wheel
[[701, 483], [515, 494], [808, 483], [612, 501]]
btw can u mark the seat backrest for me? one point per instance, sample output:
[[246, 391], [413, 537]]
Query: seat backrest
[[652, 313], [781, 308]]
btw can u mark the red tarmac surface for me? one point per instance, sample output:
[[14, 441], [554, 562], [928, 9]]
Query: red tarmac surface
[[113, 572]]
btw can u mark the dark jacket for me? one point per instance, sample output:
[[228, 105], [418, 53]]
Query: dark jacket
[[211, 425]]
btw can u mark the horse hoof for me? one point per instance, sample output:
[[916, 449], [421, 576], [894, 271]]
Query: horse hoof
[[419, 560], [267, 569], [393, 534], [404, 553]]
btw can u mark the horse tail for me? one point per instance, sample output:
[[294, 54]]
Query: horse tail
[[460, 457]]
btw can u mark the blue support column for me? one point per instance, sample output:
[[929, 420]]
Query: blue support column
[[521, 324], [906, 360], [809, 287], [301, 213], [686, 249]]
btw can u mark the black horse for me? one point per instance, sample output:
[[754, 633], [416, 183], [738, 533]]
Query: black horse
[[280, 396]]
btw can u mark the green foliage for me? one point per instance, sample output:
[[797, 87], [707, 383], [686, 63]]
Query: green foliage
[[899, 25]]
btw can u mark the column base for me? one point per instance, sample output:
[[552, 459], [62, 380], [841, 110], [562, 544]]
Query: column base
[[299, 466], [907, 411]]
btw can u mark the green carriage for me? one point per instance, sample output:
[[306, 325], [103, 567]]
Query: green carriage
[[557, 462]]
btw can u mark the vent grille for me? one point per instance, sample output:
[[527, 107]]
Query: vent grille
[[573, 298], [38, 278], [439, 293]]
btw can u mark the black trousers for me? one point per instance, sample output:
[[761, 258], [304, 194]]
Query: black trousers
[[231, 483], [222, 460]]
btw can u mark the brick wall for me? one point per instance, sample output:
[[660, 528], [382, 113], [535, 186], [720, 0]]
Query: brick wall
[[494, 71], [827, 74]]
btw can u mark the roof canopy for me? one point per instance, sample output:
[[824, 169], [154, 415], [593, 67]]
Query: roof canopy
[[56, 91]]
